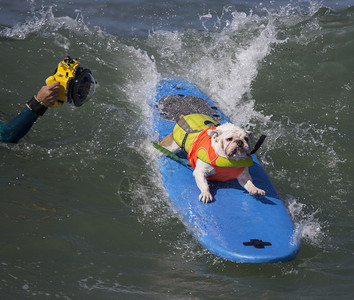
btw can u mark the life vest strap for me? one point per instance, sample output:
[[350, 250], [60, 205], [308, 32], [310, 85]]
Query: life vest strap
[[188, 129]]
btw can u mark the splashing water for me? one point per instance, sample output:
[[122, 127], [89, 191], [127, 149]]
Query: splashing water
[[307, 226]]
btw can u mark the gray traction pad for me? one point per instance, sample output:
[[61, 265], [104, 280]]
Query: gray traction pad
[[172, 106]]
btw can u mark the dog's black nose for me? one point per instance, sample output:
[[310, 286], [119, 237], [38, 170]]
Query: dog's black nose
[[239, 143]]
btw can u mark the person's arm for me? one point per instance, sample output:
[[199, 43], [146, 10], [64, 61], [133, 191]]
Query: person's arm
[[15, 129]]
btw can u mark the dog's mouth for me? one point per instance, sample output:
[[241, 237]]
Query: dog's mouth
[[239, 152]]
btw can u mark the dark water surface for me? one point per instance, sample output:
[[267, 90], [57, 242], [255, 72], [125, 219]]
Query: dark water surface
[[83, 212]]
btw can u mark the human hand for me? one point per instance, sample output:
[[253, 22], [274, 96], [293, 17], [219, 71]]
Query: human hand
[[48, 95]]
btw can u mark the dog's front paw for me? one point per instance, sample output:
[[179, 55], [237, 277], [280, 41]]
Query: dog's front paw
[[257, 192], [205, 197]]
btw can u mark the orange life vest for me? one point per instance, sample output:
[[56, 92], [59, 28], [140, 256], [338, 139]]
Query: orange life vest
[[201, 148]]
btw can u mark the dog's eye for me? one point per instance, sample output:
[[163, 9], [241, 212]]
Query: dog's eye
[[229, 139], [246, 139]]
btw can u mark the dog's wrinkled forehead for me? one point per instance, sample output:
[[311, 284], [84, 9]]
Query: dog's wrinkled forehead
[[231, 130], [230, 133]]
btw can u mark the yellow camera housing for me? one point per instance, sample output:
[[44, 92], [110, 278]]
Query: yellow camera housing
[[77, 84], [64, 73]]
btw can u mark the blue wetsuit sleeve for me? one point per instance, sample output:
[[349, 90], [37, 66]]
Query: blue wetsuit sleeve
[[15, 129]]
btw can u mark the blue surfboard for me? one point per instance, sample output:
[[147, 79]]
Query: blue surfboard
[[235, 226]]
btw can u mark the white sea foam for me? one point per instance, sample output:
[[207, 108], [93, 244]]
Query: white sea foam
[[223, 63], [307, 226], [44, 22]]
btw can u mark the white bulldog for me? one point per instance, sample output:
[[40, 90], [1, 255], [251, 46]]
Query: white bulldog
[[228, 141]]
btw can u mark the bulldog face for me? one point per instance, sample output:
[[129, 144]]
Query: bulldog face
[[231, 141]]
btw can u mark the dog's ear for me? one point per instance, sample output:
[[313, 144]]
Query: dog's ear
[[250, 136], [213, 132]]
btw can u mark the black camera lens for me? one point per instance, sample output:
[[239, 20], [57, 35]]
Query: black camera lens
[[83, 87]]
